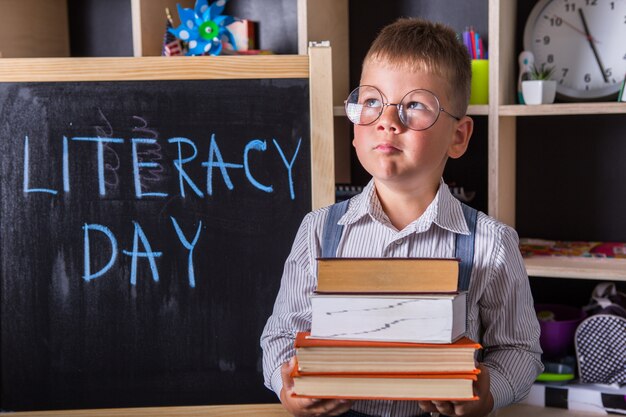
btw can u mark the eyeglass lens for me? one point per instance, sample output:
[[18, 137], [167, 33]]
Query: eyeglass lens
[[418, 110]]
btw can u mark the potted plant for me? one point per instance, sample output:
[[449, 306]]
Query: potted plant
[[540, 89]]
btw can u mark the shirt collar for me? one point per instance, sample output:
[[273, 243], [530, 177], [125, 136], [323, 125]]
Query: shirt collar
[[449, 214], [444, 211], [360, 204]]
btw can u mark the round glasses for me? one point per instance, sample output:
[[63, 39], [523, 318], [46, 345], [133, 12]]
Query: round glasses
[[418, 109]]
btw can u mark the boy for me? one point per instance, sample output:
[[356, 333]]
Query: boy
[[409, 118]]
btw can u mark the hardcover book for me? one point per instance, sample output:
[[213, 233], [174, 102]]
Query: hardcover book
[[387, 275], [386, 386], [350, 356], [423, 318]]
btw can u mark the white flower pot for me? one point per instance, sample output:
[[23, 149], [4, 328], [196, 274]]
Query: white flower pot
[[539, 91]]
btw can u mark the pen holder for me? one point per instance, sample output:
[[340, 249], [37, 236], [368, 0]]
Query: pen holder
[[480, 82]]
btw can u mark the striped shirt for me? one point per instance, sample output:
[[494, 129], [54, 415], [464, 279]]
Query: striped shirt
[[500, 306]]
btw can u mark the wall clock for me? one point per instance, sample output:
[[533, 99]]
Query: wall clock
[[585, 40]]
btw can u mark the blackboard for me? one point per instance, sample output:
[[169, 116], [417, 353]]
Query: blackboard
[[143, 229]]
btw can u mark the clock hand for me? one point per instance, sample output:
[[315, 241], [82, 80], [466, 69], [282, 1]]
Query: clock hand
[[591, 38], [593, 46]]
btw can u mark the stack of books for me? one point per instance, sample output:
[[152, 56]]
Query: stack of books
[[389, 328]]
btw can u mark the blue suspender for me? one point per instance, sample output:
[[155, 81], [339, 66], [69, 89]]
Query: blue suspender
[[332, 230], [464, 245]]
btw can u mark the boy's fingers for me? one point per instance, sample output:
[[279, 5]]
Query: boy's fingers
[[285, 372], [309, 405], [484, 380], [330, 407], [445, 407], [427, 406]]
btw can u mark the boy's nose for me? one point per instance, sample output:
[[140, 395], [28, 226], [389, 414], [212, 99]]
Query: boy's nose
[[389, 119]]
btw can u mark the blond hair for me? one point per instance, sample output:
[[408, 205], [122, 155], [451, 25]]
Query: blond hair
[[420, 45]]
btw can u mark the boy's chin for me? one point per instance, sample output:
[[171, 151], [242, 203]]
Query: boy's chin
[[405, 180], [391, 172]]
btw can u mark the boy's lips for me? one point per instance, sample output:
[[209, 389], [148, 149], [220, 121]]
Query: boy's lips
[[386, 147]]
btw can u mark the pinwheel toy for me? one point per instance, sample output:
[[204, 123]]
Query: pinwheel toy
[[203, 27]]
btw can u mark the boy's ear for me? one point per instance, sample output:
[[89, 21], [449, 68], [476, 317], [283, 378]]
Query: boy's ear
[[461, 139]]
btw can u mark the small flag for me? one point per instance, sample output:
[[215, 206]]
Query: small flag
[[171, 44], [173, 48]]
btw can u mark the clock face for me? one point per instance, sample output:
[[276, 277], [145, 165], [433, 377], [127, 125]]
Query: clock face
[[585, 42]]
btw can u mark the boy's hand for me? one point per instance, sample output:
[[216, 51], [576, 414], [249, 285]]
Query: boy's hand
[[478, 408], [307, 407]]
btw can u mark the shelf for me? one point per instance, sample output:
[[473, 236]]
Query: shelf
[[472, 110], [478, 110], [581, 268], [563, 109]]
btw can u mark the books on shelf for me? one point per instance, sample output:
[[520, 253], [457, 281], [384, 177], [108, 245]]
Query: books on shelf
[[542, 247], [387, 275], [424, 318], [349, 356], [385, 386]]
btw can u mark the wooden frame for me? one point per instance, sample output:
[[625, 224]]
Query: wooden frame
[[327, 20], [316, 66], [322, 136]]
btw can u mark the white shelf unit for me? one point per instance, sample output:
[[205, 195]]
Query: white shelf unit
[[503, 115], [580, 268]]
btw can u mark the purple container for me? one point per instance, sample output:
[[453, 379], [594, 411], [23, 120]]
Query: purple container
[[557, 334]]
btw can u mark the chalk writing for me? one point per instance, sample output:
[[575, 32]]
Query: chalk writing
[[138, 165], [110, 167], [187, 152], [135, 253], [152, 154], [26, 181], [189, 246], [148, 164], [288, 164], [100, 154]]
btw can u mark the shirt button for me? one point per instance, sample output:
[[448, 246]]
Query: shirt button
[[399, 242]]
